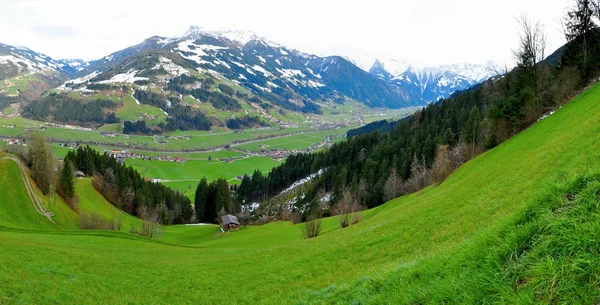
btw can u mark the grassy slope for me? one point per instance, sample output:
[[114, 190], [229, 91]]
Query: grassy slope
[[131, 111], [17, 210], [396, 239], [92, 202]]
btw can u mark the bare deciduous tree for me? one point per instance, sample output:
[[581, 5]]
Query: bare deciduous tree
[[363, 189], [151, 226], [393, 186], [532, 43], [244, 218], [442, 165], [345, 208], [311, 228], [418, 175]]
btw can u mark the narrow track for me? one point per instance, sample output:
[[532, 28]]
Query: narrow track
[[37, 202]]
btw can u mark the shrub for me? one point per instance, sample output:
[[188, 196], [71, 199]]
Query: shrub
[[346, 209], [356, 218], [94, 222], [151, 226], [311, 228]]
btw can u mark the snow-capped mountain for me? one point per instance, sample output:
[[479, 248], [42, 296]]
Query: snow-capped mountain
[[430, 84], [25, 74], [270, 72], [422, 82]]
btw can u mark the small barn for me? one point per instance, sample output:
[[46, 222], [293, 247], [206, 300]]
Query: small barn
[[230, 222], [78, 174]]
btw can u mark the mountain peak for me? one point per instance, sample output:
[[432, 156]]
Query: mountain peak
[[192, 31]]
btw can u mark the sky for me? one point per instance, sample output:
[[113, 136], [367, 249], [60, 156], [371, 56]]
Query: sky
[[425, 32]]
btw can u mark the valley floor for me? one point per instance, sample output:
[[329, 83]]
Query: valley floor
[[517, 224]]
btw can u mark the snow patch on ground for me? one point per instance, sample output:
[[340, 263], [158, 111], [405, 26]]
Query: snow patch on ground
[[302, 181], [136, 100], [128, 77], [546, 115], [170, 67], [262, 70], [315, 84], [291, 73], [238, 64], [262, 88]]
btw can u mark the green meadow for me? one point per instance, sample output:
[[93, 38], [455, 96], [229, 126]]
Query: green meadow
[[298, 141], [185, 176], [518, 224]]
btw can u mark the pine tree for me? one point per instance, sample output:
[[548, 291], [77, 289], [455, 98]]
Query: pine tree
[[472, 129], [65, 186], [210, 207], [223, 196], [200, 200], [578, 22]]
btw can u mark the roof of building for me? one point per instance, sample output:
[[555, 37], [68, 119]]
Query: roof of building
[[229, 219], [78, 173]]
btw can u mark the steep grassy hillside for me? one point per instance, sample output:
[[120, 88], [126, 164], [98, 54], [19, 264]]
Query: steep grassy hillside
[[419, 248], [17, 210], [92, 202]]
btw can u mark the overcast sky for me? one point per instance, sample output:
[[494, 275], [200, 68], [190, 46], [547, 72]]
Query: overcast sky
[[428, 32]]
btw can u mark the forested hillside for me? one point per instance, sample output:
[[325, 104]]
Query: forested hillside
[[426, 147]]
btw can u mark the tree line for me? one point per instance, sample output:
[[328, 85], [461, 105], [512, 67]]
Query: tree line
[[61, 107], [213, 200], [245, 122]]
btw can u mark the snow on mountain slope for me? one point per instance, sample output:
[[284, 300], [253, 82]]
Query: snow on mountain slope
[[424, 83], [26, 74], [284, 77], [431, 84]]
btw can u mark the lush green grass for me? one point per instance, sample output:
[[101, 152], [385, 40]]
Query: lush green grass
[[224, 153], [546, 254], [299, 141], [198, 140], [185, 176], [92, 202], [9, 110], [397, 254], [17, 210], [131, 111], [18, 84]]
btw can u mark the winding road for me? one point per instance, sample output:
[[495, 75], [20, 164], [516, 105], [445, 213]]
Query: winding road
[[37, 202]]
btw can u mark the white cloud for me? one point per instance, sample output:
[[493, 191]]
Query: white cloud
[[429, 32]]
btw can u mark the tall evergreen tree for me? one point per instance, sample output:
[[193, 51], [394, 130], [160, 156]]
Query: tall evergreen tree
[[472, 128], [200, 200], [223, 196], [578, 22], [65, 184], [210, 207]]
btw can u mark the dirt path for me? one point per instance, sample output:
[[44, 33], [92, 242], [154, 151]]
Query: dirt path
[[37, 202]]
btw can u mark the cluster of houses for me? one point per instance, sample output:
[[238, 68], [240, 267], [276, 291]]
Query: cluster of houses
[[122, 155], [69, 145], [15, 141]]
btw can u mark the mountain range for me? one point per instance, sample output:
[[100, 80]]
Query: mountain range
[[266, 72]]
